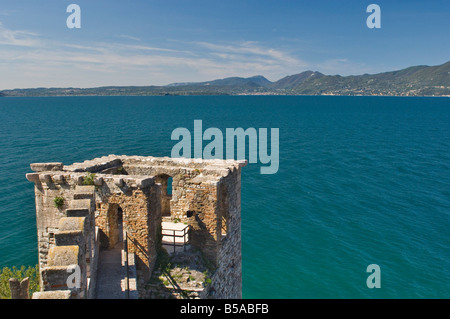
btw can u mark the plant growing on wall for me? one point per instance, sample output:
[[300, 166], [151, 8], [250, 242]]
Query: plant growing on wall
[[89, 179], [208, 279], [58, 201]]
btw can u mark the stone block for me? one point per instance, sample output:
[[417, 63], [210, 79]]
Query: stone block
[[77, 212], [44, 167], [56, 294], [32, 177], [84, 192], [58, 178], [70, 238], [45, 178], [72, 224], [19, 289], [145, 182], [80, 203], [98, 181], [118, 182], [63, 256], [56, 277]]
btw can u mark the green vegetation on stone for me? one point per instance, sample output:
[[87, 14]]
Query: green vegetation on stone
[[89, 179], [20, 273], [58, 202]]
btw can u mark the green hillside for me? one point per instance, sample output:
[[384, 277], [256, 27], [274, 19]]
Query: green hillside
[[413, 81]]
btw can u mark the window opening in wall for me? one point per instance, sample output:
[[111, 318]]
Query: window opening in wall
[[224, 227], [120, 223], [169, 186], [166, 182]]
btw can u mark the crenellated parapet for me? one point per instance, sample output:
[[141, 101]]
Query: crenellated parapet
[[66, 234]]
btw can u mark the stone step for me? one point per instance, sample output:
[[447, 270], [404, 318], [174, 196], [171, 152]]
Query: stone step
[[80, 203], [76, 205], [84, 192], [63, 256], [71, 231], [70, 238], [72, 223], [77, 212]]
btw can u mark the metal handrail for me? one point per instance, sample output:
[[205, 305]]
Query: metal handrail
[[127, 273], [185, 231]]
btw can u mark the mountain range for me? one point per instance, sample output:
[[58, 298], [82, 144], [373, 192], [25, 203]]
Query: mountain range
[[413, 81]]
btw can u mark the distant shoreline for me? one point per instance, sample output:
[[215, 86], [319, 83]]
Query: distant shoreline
[[198, 95], [419, 80]]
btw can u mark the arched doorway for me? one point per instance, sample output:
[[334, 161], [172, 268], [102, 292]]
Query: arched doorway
[[114, 225], [110, 272]]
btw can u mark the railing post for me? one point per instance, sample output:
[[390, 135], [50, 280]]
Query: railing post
[[127, 281], [174, 244], [184, 238]]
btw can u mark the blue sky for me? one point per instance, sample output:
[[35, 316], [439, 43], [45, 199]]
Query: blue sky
[[145, 42]]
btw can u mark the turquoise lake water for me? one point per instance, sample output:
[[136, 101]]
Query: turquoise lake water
[[362, 180]]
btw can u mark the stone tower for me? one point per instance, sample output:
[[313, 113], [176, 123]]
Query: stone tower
[[79, 208]]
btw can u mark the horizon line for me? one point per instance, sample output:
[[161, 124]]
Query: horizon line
[[230, 77]]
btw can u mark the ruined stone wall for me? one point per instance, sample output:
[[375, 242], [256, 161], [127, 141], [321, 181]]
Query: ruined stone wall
[[193, 201], [174, 205], [227, 279], [200, 199], [141, 216]]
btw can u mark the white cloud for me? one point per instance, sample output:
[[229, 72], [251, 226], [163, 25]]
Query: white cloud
[[18, 37], [29, 60], [54, 63], [128, 37], [251, 49]]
